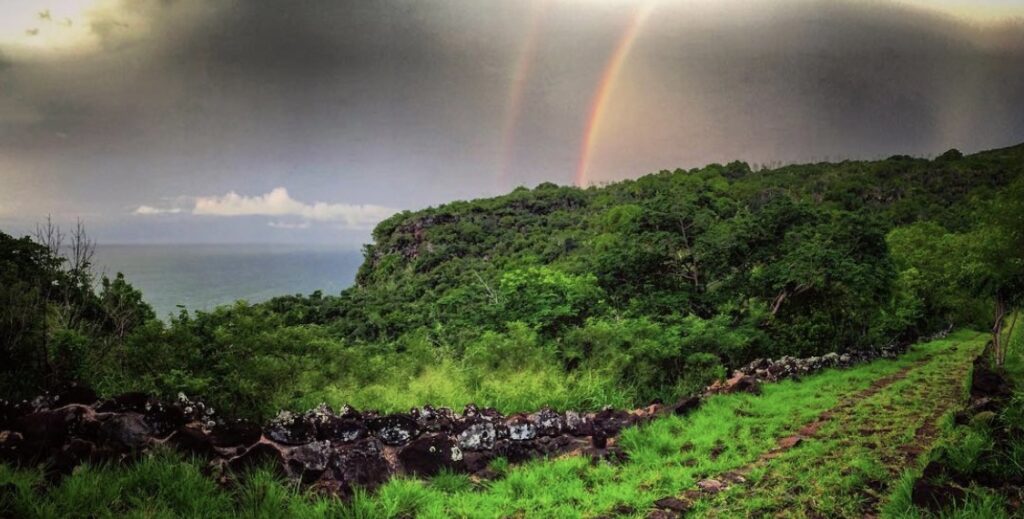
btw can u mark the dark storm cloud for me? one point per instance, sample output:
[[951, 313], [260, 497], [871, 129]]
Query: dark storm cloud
[[836, 80], [403, 104]]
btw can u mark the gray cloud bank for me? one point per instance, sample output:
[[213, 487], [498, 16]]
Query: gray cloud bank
[[402, 104]]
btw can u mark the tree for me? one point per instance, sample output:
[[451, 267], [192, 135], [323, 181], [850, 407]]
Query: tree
[[993, 263], [27, 270], [547, 299]]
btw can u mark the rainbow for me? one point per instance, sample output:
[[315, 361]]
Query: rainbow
[[606, 85], [517, 89]]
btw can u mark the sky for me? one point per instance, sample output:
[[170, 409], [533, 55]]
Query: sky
[[249, 121]]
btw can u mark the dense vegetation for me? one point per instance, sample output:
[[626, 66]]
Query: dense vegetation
[[640, 290]]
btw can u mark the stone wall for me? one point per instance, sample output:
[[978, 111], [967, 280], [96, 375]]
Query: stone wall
[[337, 451]]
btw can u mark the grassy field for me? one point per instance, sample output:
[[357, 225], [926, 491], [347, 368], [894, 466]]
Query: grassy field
[[847, 467], [972, 448], [871, 424]]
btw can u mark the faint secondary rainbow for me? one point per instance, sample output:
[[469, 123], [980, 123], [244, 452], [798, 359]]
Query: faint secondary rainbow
[[606, 85], [517, 90]]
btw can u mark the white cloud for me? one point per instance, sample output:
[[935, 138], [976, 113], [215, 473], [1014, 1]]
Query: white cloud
[[148, 209], [279, 203], [286, 225]]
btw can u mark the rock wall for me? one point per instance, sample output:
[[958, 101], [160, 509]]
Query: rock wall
[[332, 450], [337, 451]]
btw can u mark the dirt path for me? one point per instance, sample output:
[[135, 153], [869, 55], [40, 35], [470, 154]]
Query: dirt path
[[842, 463]]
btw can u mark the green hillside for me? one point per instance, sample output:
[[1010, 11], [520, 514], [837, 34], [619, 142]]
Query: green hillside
[[641, 291], [615, 295]]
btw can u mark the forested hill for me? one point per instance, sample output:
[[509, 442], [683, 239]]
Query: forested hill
[[614, 295], [720, 248]]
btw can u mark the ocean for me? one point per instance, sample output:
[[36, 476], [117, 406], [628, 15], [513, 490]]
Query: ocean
[[202, 277]]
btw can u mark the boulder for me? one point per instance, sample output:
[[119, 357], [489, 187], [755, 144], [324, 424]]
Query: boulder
[[309, 461], [673, 504], [128, 431], [291, 429], [521, 428], [686, 405], [163, 419], [359, 464], [12, 445], [394, 429], [236, 433], [72, 455], [477, 462], [126, 402], [11, 411], [610, 422], [741, 384], [430, 454], [477, 437], [710, 486], [548, 422], [430, 419], [936, 497], [338, 429], [76, 394], [578, 424], [46, 431], [986, 382], [192, 439]]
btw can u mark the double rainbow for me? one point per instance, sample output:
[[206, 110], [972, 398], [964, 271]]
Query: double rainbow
[[602, 94], [606, 86]]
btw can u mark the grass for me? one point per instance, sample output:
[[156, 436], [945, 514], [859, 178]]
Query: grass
[[666, 457], [846, 469], [971, 449]]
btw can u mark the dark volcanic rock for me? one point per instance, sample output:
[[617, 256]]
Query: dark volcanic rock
[[235, 434], [610, 421], [426, 456], [74, 454], [521, 428], [163, 419], [127, 431], [479, 436], [308, 462], [45, 431], [477, 462], [12, 445], [192, 439], [672, 503], [75, 394], [986, 382], [339, 429], [359, 464], [936, 497], [134, 402], [261, 454], [684, 406], [548, 422], [430, 419], [394, 429], [11, 411], [291, 429], [578, 424]]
